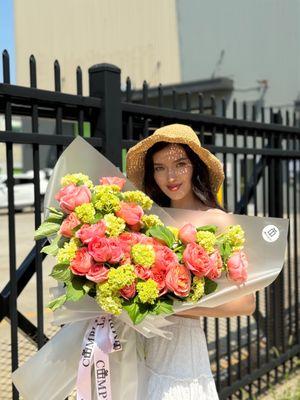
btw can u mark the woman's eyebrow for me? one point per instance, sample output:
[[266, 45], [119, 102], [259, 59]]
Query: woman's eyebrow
[[175, 161]]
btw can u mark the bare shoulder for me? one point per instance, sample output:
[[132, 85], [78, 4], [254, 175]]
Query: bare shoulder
[[215, 211]]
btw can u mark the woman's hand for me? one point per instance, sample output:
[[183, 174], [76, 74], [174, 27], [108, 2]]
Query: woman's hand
[[242, 306]]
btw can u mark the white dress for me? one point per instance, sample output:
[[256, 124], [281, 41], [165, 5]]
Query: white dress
[[177, 369]]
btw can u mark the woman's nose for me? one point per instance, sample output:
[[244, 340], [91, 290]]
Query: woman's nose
[[171, 175]]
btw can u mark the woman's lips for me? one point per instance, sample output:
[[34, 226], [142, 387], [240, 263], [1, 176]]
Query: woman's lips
[[174, 188]]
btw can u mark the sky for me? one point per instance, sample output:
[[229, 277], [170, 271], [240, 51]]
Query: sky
[[7, 36]]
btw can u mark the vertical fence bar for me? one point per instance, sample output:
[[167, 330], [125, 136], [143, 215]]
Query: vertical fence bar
[[160, 95], [174, 99], [37, 212], [80, 120], [145, 93], [128, 89], [13, 313], [58, 119]]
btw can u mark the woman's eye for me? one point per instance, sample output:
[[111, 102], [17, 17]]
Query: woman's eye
[[158, 168], [181, 164]]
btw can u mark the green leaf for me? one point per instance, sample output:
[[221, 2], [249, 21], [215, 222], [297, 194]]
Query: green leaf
[[52, 248], [163, 307], [225, 251], [210, 286], [75, 289], [46, 229], [136, 311], [88, 285], [210, 228], [162, 233], [97, 217], [56, 303], [62, 273], [54, 215]]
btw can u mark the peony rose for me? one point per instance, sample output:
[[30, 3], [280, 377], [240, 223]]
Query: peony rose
[[116, 250], [159, 276], [68, 224], [128, 291], [113, 180], [178, 280], [217, 265], [130, 212], [71, 196], [197, 260], [142, 272], [87, 232], [97, 273], [99, 249], [82, 262], [165, 258], [187, 234], [237, 266]]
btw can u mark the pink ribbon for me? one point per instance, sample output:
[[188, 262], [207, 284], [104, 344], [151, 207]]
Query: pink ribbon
[[100, 339]]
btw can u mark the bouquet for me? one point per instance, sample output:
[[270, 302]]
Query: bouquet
[[108, 247]]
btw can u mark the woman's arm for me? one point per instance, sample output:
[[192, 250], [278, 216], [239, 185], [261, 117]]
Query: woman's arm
[[243, 306]]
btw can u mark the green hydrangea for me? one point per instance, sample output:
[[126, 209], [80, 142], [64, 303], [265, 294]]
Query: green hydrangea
[[143, 254], [100, 190], [235, 235], [120, 277], [147, 291], [136, 196], [86, 213], [107, 299], [114, 225], [107, 203], [207, 240], [151, 220], [197, 289], [68, 252], [77, 179]]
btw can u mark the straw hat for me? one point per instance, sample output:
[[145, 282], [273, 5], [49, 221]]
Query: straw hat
[[175, 133]]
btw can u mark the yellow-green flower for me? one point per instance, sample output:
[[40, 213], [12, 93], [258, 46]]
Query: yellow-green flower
[[77, 179], [68, 252], [99, 190], [147, 291], [120, 277], [235, 236], [114, 225], [107, 299], [136, 196], [197, 288], [143, 254], [107, 203], [151, 220], [174, 230], [206, 239], [86, 213]]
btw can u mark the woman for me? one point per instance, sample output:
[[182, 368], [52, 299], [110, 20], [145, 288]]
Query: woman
[[175, 171]]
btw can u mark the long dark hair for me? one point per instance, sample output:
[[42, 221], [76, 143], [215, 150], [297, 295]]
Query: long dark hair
[[200, 179]]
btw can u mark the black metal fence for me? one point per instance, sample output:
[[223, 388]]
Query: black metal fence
[[262, 170]]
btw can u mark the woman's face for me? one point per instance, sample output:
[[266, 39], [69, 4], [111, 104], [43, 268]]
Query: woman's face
[[173, 171]]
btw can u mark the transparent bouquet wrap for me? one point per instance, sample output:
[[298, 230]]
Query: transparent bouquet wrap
[[56, 364]]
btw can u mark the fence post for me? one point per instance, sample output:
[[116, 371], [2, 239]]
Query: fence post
[[105, 83], [276, 293]]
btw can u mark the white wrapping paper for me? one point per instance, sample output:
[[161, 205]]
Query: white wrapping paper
[[55, 365]]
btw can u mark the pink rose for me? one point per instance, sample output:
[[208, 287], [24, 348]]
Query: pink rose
[[237, 266], [69, 223], [165, 258], [187, 234], [197, 260], [97, 273], [178, 280], [128, 291], [113, 180], [116, 250], [217, 265], [142, 272], [87, 232], [82, 262], [128, 239], [99, 249], [159, 276], [71, 196], [130, 212]]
